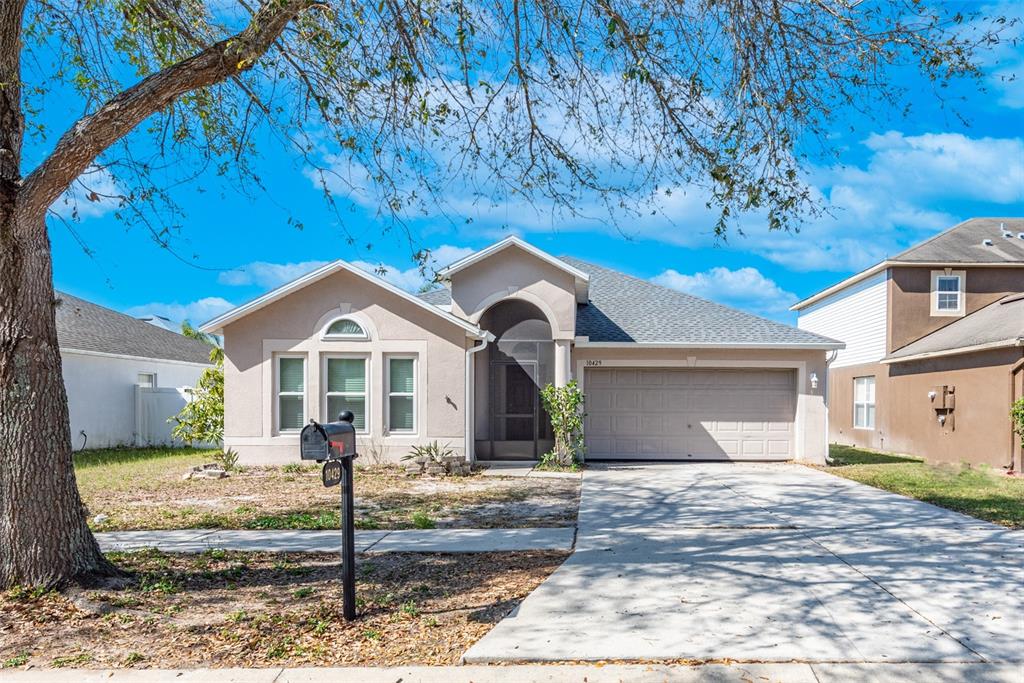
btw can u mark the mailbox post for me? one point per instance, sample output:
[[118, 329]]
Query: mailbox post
[[334, 444]]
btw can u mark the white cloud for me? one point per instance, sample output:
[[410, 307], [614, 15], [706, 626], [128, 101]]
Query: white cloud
[[412, 279], [267, 275], [93, 194], [873, 210], [197, 312], [270, 275], [744, 288]]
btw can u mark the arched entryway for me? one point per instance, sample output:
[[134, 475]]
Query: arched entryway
[[511, 423]]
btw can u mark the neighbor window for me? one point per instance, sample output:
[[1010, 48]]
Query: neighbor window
[[291, 393], [147, 380], [864, 402], [345, 328], [947, 293], [346, 389], [401, 382]]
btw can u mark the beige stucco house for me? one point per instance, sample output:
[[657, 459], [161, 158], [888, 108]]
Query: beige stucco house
[[666, 375]]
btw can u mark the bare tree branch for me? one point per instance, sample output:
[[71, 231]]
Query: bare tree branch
[[93, 134]]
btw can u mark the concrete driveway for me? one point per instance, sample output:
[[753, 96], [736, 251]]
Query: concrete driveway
[[769, 563]]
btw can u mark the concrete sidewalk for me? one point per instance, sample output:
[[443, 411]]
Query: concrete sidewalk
[[289, 540], [611, 673]]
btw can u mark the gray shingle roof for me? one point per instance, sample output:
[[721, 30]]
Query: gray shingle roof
[[437, 297], [963, 243], [623, 308], [997, 322], [84, 326]]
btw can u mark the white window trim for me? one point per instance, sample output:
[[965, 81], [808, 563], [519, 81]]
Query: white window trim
[[959, 311], [388, 394], [154, 385], [278, 393], [365, 357], [365, 336], [873, 402]]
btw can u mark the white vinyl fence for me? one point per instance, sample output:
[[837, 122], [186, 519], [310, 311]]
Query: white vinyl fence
[[153, 407]]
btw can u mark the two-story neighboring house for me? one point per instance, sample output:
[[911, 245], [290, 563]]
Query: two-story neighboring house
[[934, 339]]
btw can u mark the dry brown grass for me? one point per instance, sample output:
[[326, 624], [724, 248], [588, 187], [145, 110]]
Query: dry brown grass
[[143, 489], [226, 609]]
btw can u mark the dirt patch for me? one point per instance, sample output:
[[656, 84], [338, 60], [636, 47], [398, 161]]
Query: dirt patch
[[294, 498], [225, 609]]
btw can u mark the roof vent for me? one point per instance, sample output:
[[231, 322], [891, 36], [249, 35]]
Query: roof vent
[[986, 242], [1007, 234], [1020, 235]]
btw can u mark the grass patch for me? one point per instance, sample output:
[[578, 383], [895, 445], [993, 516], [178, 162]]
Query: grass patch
[[976, 491], [135, 489], [421, 520], [20, 659]]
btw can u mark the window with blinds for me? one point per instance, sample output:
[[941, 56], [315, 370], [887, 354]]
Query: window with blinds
[[346, 328], [401, 395], [345, 389], [291, 393]]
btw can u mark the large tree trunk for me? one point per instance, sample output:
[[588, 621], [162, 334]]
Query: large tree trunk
[[44, 539]]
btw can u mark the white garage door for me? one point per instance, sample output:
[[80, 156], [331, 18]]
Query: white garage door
[[655, 413]]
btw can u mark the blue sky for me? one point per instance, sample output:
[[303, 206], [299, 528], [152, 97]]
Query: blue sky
[[898, 180]]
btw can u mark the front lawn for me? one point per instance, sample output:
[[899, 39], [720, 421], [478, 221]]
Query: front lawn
[[976, 491], [231, 609], [127, 489]]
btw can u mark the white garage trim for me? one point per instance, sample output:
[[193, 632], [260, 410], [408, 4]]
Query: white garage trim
[[693, 362]]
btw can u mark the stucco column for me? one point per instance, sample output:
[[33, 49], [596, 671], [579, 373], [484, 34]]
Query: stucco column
[[563, 363]]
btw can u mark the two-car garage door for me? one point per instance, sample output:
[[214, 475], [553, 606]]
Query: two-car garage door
[[690, 414]]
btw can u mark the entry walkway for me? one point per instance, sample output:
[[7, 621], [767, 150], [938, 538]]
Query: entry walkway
[[407, 540], [766, 563]]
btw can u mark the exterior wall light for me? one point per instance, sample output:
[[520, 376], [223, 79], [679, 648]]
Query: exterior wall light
[[814, 380]]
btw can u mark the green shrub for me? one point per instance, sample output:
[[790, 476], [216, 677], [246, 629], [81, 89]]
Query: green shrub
[[564, 405], [202, 418], [1017, 417]]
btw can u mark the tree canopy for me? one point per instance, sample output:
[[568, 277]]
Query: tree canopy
[[599, 106]]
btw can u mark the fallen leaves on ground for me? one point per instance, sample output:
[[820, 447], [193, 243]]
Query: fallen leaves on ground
[[232, 609]]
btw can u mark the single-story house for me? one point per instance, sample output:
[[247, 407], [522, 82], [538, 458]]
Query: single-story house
[[934, 351], [665, 375], [124, 377]]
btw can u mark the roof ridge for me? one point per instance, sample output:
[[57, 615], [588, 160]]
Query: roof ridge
[[934, 237], [126, 316]]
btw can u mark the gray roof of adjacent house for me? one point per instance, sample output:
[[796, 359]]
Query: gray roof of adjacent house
[[84, 326], [627, 309], [997, 325], [437, 297], [966, 243]]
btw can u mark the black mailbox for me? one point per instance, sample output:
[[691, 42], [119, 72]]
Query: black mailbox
[[328, 440]]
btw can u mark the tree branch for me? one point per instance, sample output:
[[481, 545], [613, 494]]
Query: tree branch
[[92, 134]]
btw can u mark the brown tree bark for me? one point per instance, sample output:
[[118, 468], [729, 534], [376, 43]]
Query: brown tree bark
[[44, 538]]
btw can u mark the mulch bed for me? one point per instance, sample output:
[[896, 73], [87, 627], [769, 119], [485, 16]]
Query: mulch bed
[[231, 609]]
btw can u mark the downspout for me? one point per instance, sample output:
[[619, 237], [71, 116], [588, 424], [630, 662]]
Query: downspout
[[824, 397], [1015, 440], [470, 444]]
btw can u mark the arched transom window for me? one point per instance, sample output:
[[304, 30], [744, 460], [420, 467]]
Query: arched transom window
[[345, 328]]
